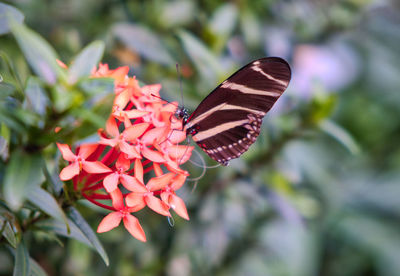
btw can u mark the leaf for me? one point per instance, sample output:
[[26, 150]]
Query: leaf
[[21, 263], [36, 99], [39, 54], [97, 86], [340, 135], [5, 134], [143, 41], [47, 203], [251, 29], [52, 225], [22, 175], [205, 62], [223, 20], [85, 61], [6, 90], [6, 13], [8, 232], [76, 217], [52, 177], [178, 12], [36, 269]]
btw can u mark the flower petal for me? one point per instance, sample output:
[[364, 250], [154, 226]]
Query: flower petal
[[135, 131], [152, 155], [156, 133], [178, 182], [95, 167], [180, 152], [112, 128], [157, 169], [176, 136], [155, 204], [66, 152], [135, 200], [86, 150], [132, 184], [69, 171], [159, 182], [152, 89], [122, 99], [108, 142], [138, 170], [117, 199], [122, 163], [165, 196], [134, 228], [110, 182], [129, 150], [109, 222], [134, 113], [178, 205]]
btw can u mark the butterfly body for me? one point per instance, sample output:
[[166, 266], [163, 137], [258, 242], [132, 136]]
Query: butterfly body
[[228, 121]]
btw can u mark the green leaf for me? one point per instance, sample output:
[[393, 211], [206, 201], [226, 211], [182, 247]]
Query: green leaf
[[6, 90], [340, 135], [5, 135], [97, 86], [8, 232], [36, 269], [251, 29], [86, 60], [23, 174], [36, 99], [21, 264], [39, 54], [177, 12], [76, 217], [7, 12], [205, 62], [52, 225], [52, 177], [47, 203], [143, 41], [224, 20], [90, 116]]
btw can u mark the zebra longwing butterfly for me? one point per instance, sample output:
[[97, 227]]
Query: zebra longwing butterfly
[[227, 122]]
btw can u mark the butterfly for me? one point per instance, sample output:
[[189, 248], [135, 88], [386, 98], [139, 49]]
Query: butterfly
[[227, 122]]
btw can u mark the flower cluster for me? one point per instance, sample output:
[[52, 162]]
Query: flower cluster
[[136, 162]]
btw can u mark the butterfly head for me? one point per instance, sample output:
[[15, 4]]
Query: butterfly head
[[182, 113]]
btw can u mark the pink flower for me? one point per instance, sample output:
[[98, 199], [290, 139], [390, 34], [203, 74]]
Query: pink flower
[[111, 181], [78, 162], [141, 136], [123, 213], [141, 199]]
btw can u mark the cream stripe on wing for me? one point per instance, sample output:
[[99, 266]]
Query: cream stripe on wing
[[222, 106], [248, 90], [258, 69], [201, 135]]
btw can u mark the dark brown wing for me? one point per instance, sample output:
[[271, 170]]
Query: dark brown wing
[[228, 120]]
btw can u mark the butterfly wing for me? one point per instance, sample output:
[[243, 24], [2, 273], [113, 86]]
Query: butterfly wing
[[228, 120]]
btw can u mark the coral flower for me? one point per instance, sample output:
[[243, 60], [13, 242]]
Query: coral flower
[[123, 213], [141, 199], [78, 162], [111, 181], [141, 139]]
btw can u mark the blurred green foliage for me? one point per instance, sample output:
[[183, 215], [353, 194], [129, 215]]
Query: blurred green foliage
[[317, 194]]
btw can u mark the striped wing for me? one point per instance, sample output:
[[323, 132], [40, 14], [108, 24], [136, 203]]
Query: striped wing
[[227, 122]]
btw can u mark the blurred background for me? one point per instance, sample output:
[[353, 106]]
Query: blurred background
[[317, 194]]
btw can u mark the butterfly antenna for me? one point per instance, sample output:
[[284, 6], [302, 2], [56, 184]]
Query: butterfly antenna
[[171, 221], [163, 99], [203, 163], [180, 82]]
